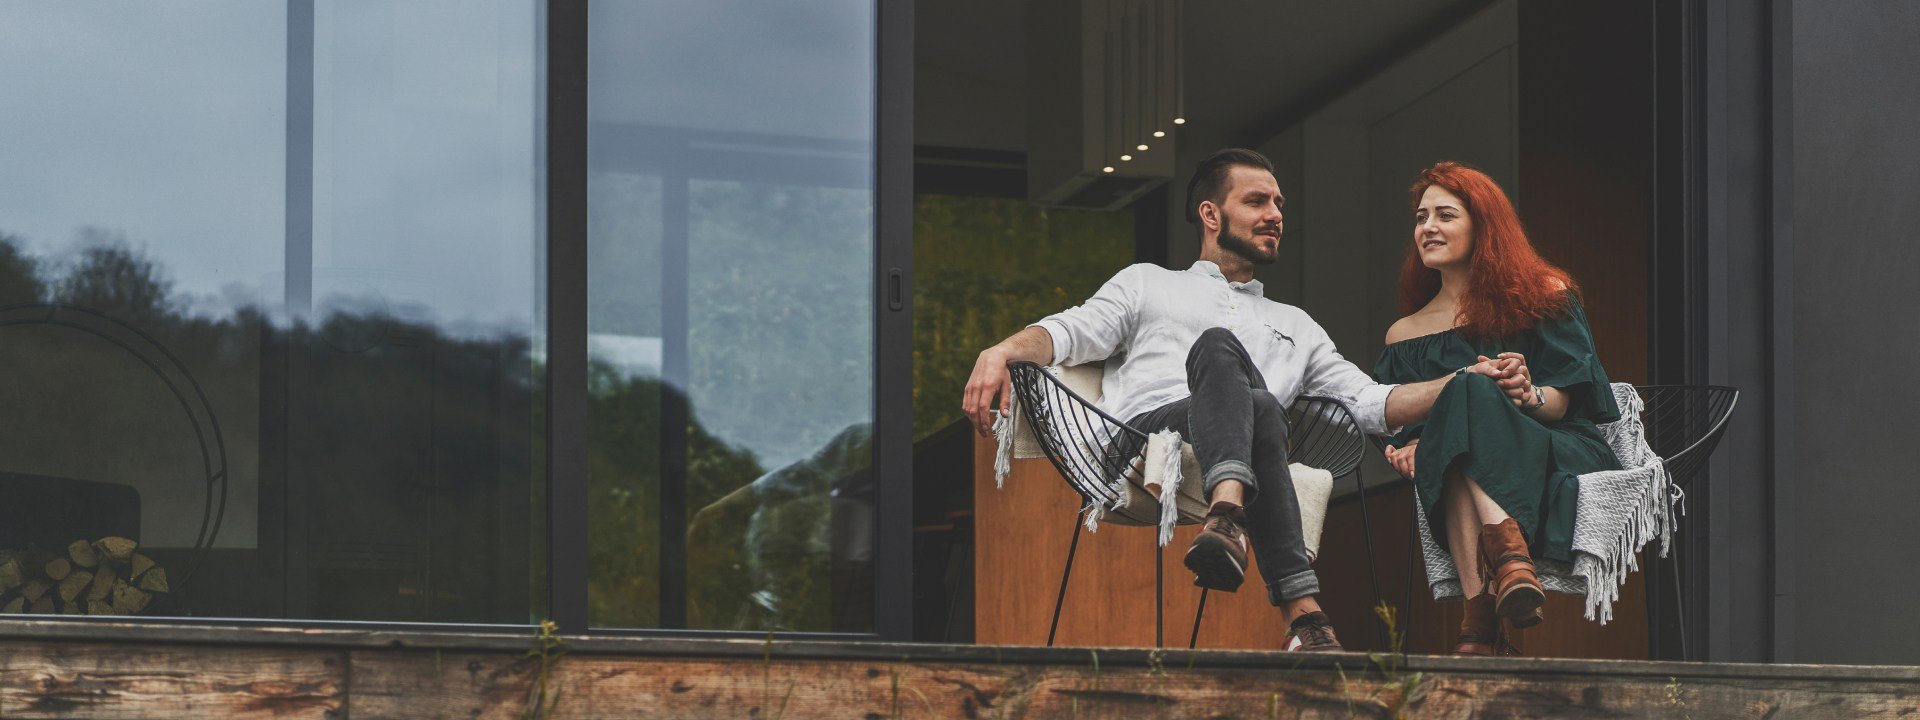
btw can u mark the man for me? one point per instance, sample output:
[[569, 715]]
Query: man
[[1205, 354]]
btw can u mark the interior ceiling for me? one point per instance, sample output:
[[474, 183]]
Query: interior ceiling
[[1250, 63]]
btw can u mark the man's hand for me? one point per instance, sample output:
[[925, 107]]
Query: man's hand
[[990, 386], [1402, 458]]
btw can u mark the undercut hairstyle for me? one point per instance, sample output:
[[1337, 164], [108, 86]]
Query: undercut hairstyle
[[1210, 177]]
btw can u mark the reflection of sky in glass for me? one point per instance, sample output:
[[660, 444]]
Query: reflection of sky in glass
[[165, 124], [800, 69], [762, 114], [424, 177], [134, 118]]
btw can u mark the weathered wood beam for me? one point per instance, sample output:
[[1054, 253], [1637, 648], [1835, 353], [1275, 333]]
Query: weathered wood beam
[[111, 670], [101, 680]]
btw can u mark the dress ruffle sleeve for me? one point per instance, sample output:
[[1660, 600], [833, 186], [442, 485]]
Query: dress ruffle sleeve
[[1564, 359]]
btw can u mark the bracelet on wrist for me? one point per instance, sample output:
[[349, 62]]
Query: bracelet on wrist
[[1539, 401]]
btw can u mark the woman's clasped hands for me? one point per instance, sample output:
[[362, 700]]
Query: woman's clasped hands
[[1508, 370]]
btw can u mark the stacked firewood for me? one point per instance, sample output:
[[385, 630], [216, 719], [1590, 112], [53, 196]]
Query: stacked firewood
[[103, 577]]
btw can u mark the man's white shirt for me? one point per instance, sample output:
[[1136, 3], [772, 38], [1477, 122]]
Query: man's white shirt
[[1145, 319]]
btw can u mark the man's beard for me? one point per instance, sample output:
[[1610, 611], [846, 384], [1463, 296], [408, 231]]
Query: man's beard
[[1244, 246]]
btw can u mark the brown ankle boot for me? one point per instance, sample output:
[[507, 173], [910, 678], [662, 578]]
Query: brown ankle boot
[[1480, 629], [1509, 574]]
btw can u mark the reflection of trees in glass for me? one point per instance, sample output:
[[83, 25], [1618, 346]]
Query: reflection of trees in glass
[[110, 277], [416, 456], [19, 274], [986, 267], [779, 343], [805, 535], [623, 473]]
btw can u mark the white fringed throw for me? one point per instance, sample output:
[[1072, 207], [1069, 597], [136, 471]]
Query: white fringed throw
[[1618, 513]]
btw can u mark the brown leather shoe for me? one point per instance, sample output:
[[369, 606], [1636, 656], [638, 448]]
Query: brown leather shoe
[[1218, 556], [1481, 632], [1509, 574], [1312, 633]]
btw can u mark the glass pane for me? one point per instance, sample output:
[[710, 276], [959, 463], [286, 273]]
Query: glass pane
[[731, 315], [296, 372]]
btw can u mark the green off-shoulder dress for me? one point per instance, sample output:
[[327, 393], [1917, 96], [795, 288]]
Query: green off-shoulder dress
[[1527, 466]]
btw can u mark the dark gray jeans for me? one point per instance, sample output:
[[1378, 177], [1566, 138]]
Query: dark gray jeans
[[1239, 432]]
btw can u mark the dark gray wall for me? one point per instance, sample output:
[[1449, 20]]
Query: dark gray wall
[[1856, 208], [1741, 599], [1468, 119]]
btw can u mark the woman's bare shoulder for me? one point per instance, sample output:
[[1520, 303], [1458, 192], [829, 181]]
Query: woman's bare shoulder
[[1425, 321], [1403, 328]]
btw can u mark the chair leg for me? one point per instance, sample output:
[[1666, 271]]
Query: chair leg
[[1064, 574], [1413, 568], [1654, 611], [1202, 610], [1373, 571], [1680, 610], [1159, 590]]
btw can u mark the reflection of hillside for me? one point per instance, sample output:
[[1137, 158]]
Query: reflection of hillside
[[389, 468]]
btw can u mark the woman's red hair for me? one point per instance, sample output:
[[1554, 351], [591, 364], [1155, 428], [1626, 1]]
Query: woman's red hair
[[1509, 285]]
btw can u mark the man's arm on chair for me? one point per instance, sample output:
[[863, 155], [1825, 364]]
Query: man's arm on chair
[[1094, 330], [991, 385]]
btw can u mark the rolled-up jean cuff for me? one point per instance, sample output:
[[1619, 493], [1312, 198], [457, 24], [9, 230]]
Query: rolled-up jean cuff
[[1293, 587], [1229, 470]]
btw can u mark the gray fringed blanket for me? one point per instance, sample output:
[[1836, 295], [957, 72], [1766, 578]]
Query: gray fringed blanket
[[1618, 513]]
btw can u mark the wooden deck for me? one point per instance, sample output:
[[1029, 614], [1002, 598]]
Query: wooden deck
[[67, 669]]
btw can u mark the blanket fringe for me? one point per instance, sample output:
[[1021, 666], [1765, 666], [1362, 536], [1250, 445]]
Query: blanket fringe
[[1169, 483], [1094, 513], [1003, 455], [1651, 518]]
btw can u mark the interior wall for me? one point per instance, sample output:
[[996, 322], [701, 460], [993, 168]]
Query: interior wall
[[1855, 164], [1585, 162], [1469, 118]]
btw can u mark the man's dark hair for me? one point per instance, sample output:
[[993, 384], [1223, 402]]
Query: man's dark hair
[[1210, 177]]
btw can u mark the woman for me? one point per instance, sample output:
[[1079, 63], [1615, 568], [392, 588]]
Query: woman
[[1495, 460]]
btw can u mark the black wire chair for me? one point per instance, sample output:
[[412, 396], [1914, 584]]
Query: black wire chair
[[1684, 424], [1093, 452]]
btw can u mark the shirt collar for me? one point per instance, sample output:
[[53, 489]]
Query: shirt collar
[[1208, 268]]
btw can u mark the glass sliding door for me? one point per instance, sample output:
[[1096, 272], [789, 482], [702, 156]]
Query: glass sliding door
[[268, 302], [731, 315]]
